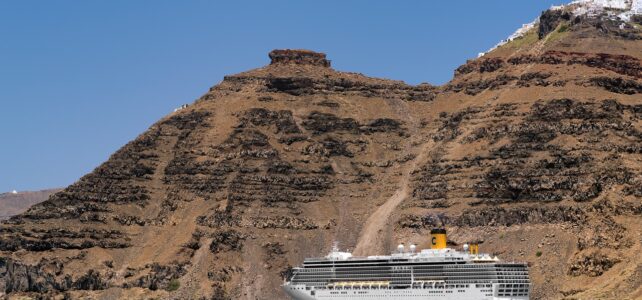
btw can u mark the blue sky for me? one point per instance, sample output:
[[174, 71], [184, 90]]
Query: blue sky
[[79, 79]]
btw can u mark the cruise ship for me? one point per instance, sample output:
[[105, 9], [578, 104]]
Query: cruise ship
[[436, 273]]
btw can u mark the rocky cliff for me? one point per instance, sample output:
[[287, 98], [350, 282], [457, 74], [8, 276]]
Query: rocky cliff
[[534, 149]]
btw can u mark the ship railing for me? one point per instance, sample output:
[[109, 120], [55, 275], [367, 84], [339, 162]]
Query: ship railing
[[358, 285], [428, 283]]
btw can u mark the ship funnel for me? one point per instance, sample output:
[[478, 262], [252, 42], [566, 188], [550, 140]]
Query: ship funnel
[[438, 238], [474, 248]]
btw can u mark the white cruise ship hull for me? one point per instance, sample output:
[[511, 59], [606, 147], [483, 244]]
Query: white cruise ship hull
[[440, 273], [299, 292]]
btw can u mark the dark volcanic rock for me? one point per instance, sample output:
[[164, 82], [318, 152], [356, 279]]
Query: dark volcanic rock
[[43, 240], [497, 216], [534, 78], [92, 280], [227, 240], [158, 276], [27, 278], [514, 176], [291, 85], [481, 66], [46, 276], [621, 64], [318, 123], [283, 222], [274, 250], [274, 188], [303, 57], [328, 147], [383, 125], [282, 120], [618, 85], [219, 218], [593, 265], [475, 87], [303, 85], [549, 20], [246, 139]]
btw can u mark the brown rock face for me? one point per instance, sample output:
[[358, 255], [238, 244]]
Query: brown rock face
[[534, 150], [302, 57]]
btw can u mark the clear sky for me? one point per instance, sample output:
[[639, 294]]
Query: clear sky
[[79, 79]]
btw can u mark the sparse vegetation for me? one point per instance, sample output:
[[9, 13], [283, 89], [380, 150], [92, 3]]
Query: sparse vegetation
[[538, 253], [560, 32], [562, 28], [526, 40], [173, 285]]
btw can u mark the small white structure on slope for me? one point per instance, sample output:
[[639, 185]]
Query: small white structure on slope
[[14, 192], [184, 106]]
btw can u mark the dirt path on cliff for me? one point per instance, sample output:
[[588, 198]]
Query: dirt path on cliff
[[191, 283], [372, 238], [373, 235]]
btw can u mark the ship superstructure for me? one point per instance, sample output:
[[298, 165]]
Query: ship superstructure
[[436, 273]]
